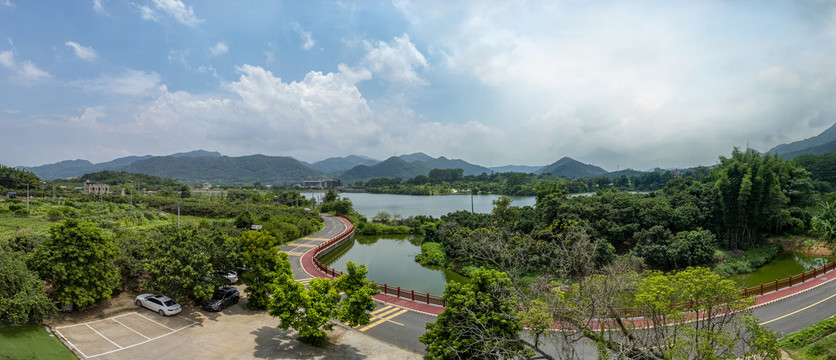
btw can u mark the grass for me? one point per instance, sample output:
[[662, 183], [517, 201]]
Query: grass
[[750, 261], [817, 341], [31, 342]]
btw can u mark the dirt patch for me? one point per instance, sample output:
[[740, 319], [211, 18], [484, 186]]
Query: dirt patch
[[805, 245], [100, 310]]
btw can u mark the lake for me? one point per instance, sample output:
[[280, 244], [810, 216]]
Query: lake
[[435, 205], [785, 264]]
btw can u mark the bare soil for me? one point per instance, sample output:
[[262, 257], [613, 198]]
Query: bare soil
[[805, 245], [101, 309]]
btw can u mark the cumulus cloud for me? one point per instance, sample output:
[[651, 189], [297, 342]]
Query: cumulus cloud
[[219, 48], [307, 40], [176, 8], [83, 52], [7, 3], [396, 61], [89, 117]]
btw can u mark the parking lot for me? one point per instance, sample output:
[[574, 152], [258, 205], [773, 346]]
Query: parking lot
[[102, 337]]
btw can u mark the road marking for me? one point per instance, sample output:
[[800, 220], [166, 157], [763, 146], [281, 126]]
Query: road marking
[[306, 245], [798, 311], [294, 253], [313, 238], [383, 319], [152, 320], [126, 326], [105, 337]]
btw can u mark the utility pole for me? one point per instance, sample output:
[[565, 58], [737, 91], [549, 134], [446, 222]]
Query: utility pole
[[27, 197], [132, 199], [53, 191], [178, 210], [471, 200]]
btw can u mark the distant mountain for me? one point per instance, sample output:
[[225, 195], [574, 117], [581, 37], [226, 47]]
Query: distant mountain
[[62, 169], [419, 156], [444, 163], [337, 164], [226, 170], [571, 168], [516, 168], [393, 167], [826, 148], [816, 145], [612, 160], [197, 153]]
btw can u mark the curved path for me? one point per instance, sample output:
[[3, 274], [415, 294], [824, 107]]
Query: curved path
[[401, 322]]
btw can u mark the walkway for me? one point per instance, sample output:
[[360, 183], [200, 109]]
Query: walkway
[[401, 321]]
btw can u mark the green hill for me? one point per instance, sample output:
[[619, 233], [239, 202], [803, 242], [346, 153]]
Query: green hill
[[820, 144], [226, 170], [571, 168]]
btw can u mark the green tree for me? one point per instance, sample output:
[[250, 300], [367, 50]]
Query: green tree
[[179, 264], [22, 295], [331, 195], [79, 262], [309, 310], [342, 206], [479, 321], [260, 254], [749, 194], [244, 220]]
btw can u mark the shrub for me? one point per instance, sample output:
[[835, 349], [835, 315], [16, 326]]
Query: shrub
[[431, 254], [750, 261]]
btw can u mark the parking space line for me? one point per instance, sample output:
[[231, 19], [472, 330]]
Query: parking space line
[[127, 327], [152, 320], [140, 343], [105, 337], [95, 321], [71, 344]]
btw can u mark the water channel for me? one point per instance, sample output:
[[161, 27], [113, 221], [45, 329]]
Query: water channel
[[390, 259]]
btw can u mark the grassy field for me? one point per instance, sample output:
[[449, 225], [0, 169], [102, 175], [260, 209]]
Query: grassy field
[[31, 342], [815, 342]]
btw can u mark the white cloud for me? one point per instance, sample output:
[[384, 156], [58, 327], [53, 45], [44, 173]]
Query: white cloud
[[307, 40], [7, 59], [219, 48], [778, 77], [26, 70], [131, 82], [7, 3], [183, 14], [147, 13], [353, 76], [395, 62], [30, 71], [98, 7], [89, 117], [178, 56], [83, 52]]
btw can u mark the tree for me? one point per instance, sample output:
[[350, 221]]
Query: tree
[[22, 295], [342, 206], [749, 194], [244, 220], [179, 264], [309, 310], [331, 195], [479, 321], [79, 262], [260, 253]]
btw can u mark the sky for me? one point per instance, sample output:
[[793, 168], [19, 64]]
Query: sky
[[620, 84]]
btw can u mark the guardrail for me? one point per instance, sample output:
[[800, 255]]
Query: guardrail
[[396, 291]]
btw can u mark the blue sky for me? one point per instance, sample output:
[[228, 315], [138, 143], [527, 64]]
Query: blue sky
[[619, 84]]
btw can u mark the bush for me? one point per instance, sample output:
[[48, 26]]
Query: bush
[[750, 261], [431, 254]]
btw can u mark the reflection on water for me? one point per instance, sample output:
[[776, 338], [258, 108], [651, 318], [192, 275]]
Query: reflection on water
[[390, 259], [785, 264]]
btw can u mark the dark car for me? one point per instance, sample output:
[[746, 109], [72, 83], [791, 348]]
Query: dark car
[[223, 298]]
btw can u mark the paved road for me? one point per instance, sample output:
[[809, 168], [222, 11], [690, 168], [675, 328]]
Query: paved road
[[402, 327]]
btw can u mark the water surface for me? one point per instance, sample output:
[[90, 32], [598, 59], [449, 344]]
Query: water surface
[[785, 264], [435, 205], [390, 259]]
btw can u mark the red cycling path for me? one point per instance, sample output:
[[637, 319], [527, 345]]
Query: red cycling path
[[307, 264]]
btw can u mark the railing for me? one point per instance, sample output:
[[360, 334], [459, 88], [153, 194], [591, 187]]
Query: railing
[[384, 288], [787, 282]]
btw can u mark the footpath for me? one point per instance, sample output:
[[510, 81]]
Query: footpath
[[307, 264]]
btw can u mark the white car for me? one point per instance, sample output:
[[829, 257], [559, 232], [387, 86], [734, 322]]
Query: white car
[[162, 304]]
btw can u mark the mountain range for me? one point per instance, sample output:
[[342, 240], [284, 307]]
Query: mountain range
[[210, 166]]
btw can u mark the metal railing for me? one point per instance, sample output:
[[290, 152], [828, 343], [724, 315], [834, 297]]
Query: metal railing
[[396, 291]]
